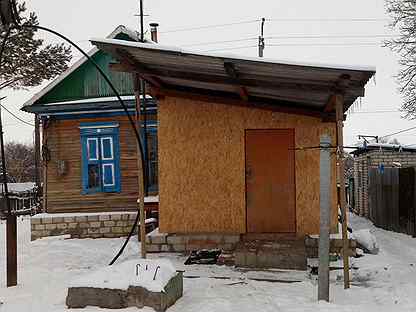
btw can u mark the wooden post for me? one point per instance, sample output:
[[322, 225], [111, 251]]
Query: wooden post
[[44, 167], [11, 221], [325, 217], [140, 172], [339, 107], [37, 152]]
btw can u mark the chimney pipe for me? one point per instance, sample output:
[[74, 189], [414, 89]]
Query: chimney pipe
[[153, 31]]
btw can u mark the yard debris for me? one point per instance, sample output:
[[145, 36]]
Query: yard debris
[[203, 256]]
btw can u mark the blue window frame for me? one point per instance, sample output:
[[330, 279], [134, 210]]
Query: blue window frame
[[100, 145], [151, 154]]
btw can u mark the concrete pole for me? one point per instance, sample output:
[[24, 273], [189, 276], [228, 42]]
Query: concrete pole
[[325, 217]]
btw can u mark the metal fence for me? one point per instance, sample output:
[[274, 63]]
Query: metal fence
[[392, 200]]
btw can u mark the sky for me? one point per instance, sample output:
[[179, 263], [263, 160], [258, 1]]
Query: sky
[[353, 33]]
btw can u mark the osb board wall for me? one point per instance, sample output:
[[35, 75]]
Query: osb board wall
[[64, 192], [202, 165]]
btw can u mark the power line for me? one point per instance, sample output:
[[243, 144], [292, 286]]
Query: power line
[[17, 117], [219, 42], [329, 44], [231, 48], [327, 19], [210, 26], [398, 132]]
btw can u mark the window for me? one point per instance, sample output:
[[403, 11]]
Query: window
[[100, 157]]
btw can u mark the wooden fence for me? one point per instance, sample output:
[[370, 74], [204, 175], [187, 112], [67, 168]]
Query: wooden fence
[[392, 200]]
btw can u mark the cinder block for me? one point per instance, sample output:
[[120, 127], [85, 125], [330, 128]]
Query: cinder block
[[121, 223], [93, 231], [39, 227], [115, 217], [165, 248], [153, 248], [232, 239], [132, 216], [117, 229], [57, 219], [50, 226], [62, 226], [109, 223], [81, 219], [84, 225], [72, 225], [105, 230], [103, 217], [125, 217], [46, 220], [178, 247], [69, 219], [95, 224], [92, 218], [175, 239], [110, 235], [159, 239], [35, 221]]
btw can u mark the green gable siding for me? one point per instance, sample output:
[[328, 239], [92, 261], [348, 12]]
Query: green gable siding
[[86, 82]]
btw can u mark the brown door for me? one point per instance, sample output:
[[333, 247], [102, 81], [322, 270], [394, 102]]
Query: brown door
[[270, 181]]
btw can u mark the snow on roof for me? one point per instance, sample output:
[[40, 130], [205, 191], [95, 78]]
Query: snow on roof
[[119, 30], [373, 146], [137, 272], [230, 55]]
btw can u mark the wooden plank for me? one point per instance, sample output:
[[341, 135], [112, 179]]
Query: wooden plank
[[339, 106]]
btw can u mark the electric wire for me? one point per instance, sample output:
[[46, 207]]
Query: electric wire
[[17, 117]]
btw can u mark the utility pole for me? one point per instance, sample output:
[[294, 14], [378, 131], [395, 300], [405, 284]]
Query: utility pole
[[11, 225], [261, 38], [139, 90], [325, 217]]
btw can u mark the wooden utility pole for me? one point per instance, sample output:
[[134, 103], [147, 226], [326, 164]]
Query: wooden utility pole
[[140, 171], [325, 217], [339, 107], [11, 225]]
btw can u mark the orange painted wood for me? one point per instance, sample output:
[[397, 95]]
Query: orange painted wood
[[270, 181]]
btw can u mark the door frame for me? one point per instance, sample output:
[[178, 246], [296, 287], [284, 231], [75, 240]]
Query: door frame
[[293, 130]]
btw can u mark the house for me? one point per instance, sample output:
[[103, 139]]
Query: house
[[237, 141], [89, 151], [383, 185]]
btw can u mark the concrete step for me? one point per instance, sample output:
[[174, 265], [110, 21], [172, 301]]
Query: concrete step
[[281, 254]]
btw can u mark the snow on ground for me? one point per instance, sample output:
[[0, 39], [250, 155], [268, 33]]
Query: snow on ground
[[383, 282]]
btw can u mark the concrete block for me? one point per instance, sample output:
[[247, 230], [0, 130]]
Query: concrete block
[[132, 216], [57, 219], [72, 225], [93, 231], [232, 239], [115, 217], [105, 230], [81, 219], [62, 226], [69, 219], [110, 235], [84, 225], [95, 224], [39, 226], [109, 223], [165, 248], [103, 217], [117, 229], [50, 226], [175, 239], [35, 221], [125, 217], [92, 218], [159, 239], [153, 248], [46, 220], [178, 247], [121, 223]]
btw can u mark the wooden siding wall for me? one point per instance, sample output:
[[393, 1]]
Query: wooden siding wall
[[202, 165], [64, 192]]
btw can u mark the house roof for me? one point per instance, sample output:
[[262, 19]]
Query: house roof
[[255, 80], [34, 99], [382, 147]]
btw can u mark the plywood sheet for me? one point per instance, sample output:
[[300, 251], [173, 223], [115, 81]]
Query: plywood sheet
[[202, 165]]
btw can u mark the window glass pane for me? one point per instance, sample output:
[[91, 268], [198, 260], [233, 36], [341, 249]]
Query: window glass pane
[[108, 174], [93, 176], [92, 145], [107, 148]]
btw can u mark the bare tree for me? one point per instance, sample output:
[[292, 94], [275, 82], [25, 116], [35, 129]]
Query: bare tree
[[20, 160], [403, 14]]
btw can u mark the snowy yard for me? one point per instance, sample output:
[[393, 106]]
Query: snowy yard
[[383, 282]]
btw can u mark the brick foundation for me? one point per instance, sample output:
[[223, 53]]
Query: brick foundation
[[93, 225], [162, 242]]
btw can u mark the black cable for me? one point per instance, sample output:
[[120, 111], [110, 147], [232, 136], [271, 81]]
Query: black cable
[[17, 117], [132, 123]]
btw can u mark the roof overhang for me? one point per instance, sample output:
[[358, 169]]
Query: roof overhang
[[291, 87]]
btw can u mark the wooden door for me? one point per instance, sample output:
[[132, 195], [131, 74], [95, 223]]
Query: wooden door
[[270, 181]]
